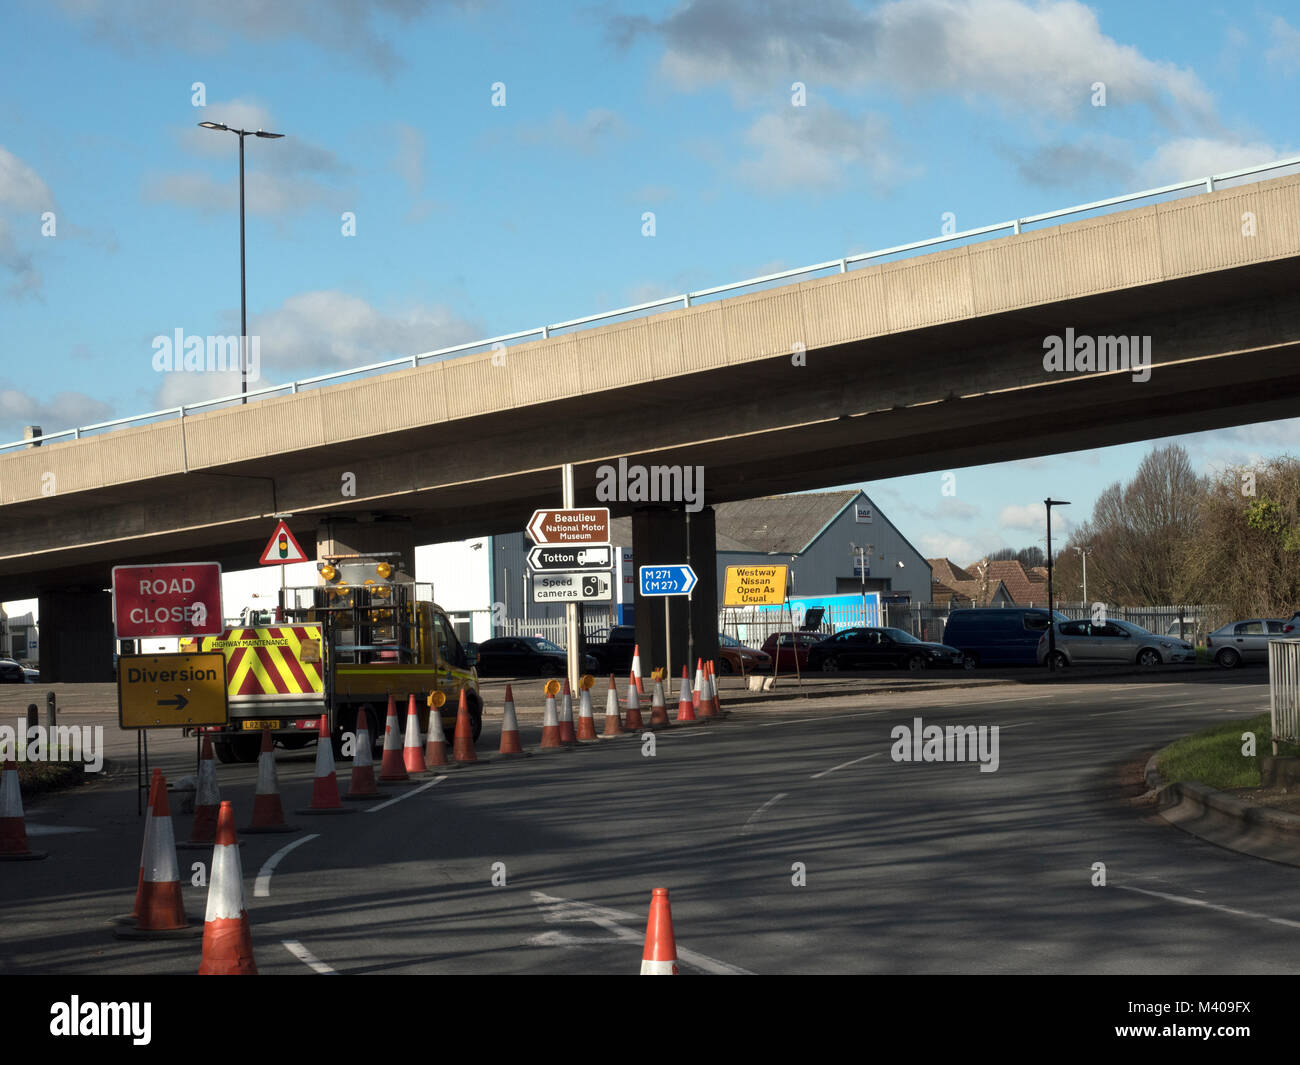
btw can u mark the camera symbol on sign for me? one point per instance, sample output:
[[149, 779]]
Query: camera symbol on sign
[[591, 585]]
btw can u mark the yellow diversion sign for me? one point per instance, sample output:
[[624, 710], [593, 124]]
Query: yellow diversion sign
[[755, 586], [171, 690]]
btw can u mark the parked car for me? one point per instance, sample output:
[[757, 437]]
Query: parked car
[[794, 649], [33, 676], [732, 655], [1292, 626], [989, 636], [1112, 642], [525, 656], [1244, 641], [11, 672], [612, 649], [868, 648]]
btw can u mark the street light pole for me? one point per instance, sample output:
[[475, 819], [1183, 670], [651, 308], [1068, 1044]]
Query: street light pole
[[1049, 503], [243, 301]]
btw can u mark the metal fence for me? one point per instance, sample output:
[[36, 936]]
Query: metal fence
[[1284, 690], [686, 299], [553, 628]]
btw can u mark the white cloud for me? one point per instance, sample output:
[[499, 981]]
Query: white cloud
[[1285, 52], [1191, 157], [819, 147], [1028, 517], [584, 136], [21, 188], [63, 410]]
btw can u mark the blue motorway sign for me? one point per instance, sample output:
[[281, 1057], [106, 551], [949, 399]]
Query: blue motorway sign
[[674, 579]]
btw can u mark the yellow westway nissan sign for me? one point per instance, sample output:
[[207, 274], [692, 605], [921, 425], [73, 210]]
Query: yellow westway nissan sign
[[755, 586]]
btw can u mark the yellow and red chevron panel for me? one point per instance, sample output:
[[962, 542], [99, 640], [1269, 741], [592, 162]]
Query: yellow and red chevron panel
[[269, 661]]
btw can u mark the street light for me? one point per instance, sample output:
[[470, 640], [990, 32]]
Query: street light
[[1049, 503], [243, 307], [1083, 554], [862, 553]]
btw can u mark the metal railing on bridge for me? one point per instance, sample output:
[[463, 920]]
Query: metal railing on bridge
[[686, 299]]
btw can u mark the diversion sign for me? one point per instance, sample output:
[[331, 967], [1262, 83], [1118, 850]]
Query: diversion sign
[[755, 585], [171, 690]]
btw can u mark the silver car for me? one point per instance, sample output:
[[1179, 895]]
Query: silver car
[[1112, 642], [1244, 641]]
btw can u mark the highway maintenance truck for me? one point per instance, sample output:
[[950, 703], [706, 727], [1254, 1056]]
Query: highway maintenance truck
[[340, 648]]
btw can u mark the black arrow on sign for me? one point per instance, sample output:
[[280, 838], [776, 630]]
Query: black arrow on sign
[[180, 702]]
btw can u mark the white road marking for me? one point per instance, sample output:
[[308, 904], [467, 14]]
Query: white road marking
[[845, 765], [262, 885], [563, 910], [54, 830], [1211, 906], [805, 720], [1134, 709], [307, 957], [413, 791], [749, 825]]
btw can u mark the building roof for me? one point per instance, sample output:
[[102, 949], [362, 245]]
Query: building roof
[[781, 525], [946, 571], [1022, 588]]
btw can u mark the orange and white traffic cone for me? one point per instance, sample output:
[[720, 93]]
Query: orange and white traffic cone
[[586, 717], [413, 752], [227, 944], [707, 708], [393, 766], [613, 726], [658, 710], [144, 852], [161, 911], [713, 684], [13, 824], [268, 810], [659, 958], [510, 742], [685, 704], [550, 721], [463, 742], [362, 786], [325, 786], [632, 715], [435, 749], [568, 738], [207, 799], [636, 669]]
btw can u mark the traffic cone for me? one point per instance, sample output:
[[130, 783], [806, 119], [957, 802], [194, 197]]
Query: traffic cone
[[393, 766], [207, 799], [550, 724], [636, 668], [568, 738], [227, 945], [633, 704], [510, 742], [268, 811], [586, 718], [685, 704], [707, 708], [325, 787], [362, 786], [613, 726], [713, 683], [659, 958], [413, 752], [13, 825], [658, 710], [435, 750], [161, 910], [144, 851], [463, 742]]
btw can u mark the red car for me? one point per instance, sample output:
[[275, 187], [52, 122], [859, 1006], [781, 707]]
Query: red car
[[794, 648]]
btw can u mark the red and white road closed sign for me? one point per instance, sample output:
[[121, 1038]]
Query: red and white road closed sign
[[173, 600]]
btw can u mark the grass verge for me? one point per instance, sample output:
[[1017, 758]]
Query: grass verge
[[1214, 756], [37, 777]]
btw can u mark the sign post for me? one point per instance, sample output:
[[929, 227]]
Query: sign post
[[758, 586], [282, 550], [675, 578]]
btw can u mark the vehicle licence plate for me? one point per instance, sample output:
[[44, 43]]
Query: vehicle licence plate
[[260, 724]]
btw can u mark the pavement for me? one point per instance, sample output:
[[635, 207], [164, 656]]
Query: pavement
[[790, 838]]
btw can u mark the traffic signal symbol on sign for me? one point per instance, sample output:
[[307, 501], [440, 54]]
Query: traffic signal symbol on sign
[[282, 548]]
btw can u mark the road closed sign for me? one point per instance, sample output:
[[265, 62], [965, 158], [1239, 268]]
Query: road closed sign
[[755, 586], [175, 600]]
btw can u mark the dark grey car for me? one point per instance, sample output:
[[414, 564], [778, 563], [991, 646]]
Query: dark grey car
[[1244, 642]]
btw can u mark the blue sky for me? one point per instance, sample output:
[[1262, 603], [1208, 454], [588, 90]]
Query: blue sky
[[474, 220]]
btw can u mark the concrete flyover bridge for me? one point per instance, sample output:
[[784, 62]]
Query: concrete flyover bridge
[[926, 363]]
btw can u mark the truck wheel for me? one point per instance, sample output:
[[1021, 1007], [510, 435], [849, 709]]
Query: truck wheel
[[224, 751], [246, 748]]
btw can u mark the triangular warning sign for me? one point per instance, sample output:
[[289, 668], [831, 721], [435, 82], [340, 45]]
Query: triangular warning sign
[[282, 549]]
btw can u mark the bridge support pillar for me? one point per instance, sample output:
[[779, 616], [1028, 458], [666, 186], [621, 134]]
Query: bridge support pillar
[[665, 535], [76, 640]]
